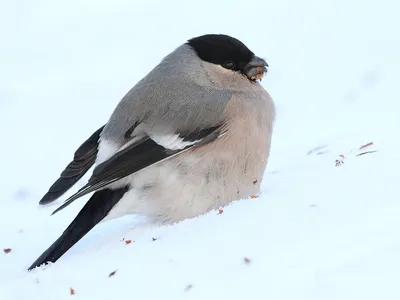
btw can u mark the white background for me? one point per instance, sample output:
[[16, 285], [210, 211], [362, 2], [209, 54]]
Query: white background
[[317, 231]]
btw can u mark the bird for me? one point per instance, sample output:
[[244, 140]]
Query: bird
[[193, 135]]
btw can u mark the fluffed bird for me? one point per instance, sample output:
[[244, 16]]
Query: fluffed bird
[[193, 135]]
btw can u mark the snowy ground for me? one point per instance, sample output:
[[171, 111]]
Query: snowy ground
[[326, 223]]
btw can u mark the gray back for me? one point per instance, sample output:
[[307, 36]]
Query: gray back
[[176, 94]]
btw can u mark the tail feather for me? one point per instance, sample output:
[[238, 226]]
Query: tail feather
[[84, 159], [95, 210]]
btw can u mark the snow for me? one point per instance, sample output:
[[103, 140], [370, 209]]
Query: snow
[[319, 229]]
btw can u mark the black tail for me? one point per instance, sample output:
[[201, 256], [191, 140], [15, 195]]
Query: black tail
[[95, 210], [84, 159]]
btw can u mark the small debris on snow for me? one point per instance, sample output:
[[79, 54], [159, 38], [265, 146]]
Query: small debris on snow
[[71, 291], [366, 152], [255, 181], [366, 145], [188, 287], [112, 273], [220, 211], [247, 260], [253, 196], [154, 239], [7, 250], [127, 242], [338, 162]]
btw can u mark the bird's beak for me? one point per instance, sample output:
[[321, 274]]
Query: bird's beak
[[255, 69]]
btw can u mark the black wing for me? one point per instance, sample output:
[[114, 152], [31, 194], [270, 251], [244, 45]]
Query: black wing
[[84, 159], [136, 157]]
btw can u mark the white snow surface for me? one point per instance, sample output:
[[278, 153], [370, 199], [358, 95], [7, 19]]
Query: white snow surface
[[324, 227]]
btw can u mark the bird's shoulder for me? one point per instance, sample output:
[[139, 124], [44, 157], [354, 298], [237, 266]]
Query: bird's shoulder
[[173, 102]]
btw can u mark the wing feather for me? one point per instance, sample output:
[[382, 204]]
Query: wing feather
[[84, 159], [138, 156]]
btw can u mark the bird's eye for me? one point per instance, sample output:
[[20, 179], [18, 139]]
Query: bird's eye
[[229, 65]]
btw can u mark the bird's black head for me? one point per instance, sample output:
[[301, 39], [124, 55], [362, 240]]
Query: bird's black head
[[229, 53]]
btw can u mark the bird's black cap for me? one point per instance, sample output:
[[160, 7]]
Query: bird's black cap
[[222, 50]]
